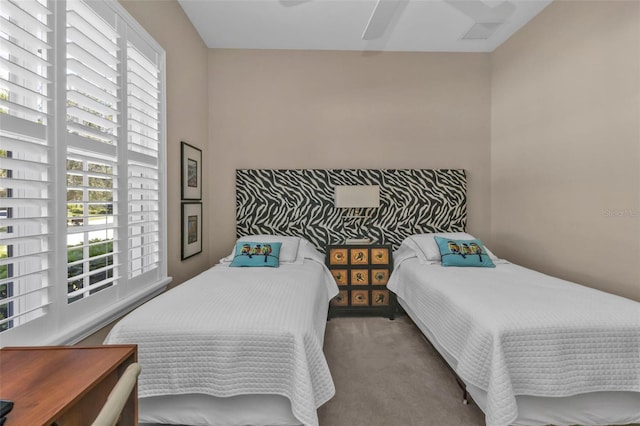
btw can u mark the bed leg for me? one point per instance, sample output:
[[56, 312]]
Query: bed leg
[[465, 397]]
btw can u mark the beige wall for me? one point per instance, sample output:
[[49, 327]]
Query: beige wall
[[187, 114], [565, 147], [320, 109]]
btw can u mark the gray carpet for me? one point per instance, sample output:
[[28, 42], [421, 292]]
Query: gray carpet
[[385, 373]]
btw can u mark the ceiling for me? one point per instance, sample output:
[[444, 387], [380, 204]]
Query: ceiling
[[396, 25]]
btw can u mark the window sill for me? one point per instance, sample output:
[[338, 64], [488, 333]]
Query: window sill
[[73, 335]]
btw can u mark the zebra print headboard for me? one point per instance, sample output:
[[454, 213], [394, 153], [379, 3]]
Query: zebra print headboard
[[299, 202]]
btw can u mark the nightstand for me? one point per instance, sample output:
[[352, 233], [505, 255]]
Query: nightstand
[[362, 273]]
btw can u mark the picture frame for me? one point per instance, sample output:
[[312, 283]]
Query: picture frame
[[191, 172], [191, 229]]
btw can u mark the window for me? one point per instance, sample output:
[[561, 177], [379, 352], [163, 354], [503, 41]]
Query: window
[[82, 149]]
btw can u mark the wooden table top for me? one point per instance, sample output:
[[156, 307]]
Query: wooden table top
[[43, 381]]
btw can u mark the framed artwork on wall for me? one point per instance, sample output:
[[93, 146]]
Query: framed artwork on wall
[[191, 229], [191, 172]]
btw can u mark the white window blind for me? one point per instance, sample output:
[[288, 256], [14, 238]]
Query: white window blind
[[24, 49], [82, 196], [25, 190], [143, 102], [92, 146], [92, 75]]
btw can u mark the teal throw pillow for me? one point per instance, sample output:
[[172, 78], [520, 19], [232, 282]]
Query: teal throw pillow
[[257, 254], [463, 253]]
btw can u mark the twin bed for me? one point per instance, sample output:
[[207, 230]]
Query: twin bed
[[529, 348], [239, 346], [236, 346]]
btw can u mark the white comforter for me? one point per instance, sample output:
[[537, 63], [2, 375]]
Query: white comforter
[[234, 331], [514, 331]]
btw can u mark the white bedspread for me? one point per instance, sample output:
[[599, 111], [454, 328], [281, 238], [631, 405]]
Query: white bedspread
[[235, 331], [514, 331]]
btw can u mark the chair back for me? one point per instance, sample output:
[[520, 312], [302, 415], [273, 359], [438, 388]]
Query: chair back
[[118, 397]]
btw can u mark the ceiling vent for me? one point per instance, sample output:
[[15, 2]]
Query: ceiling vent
[[482, 30]]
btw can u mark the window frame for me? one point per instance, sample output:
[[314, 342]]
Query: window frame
[[63, 322]]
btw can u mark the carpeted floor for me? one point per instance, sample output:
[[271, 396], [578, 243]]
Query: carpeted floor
[[385, 373]]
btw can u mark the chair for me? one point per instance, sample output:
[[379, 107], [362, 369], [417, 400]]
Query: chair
[[110, 412]]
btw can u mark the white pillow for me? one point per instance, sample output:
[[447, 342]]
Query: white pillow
[[308, 251], [289, 251], [427, 249]]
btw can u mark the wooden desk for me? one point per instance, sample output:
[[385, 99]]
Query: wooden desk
[[64, 385]]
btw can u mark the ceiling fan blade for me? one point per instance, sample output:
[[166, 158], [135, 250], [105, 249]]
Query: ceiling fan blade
[[479, 11], [292, 3], [381, 18]]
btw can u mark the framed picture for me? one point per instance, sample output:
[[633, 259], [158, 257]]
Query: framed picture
[[191, 229], [191, 169]]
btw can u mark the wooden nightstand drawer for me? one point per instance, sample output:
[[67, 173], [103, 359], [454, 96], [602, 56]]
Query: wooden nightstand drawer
[[338, 256], [362, 273], [359, 277], [380, 256], [359, 256], [380, 297], [342, 299], [379, 276], [360, 298], [341, 276]]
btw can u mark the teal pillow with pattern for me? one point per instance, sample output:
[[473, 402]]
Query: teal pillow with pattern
[[463, 253], [257, 254]]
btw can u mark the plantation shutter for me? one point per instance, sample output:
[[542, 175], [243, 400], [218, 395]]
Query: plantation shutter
[[82, 160], [25, 162], [94, 249], [143, 119]]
